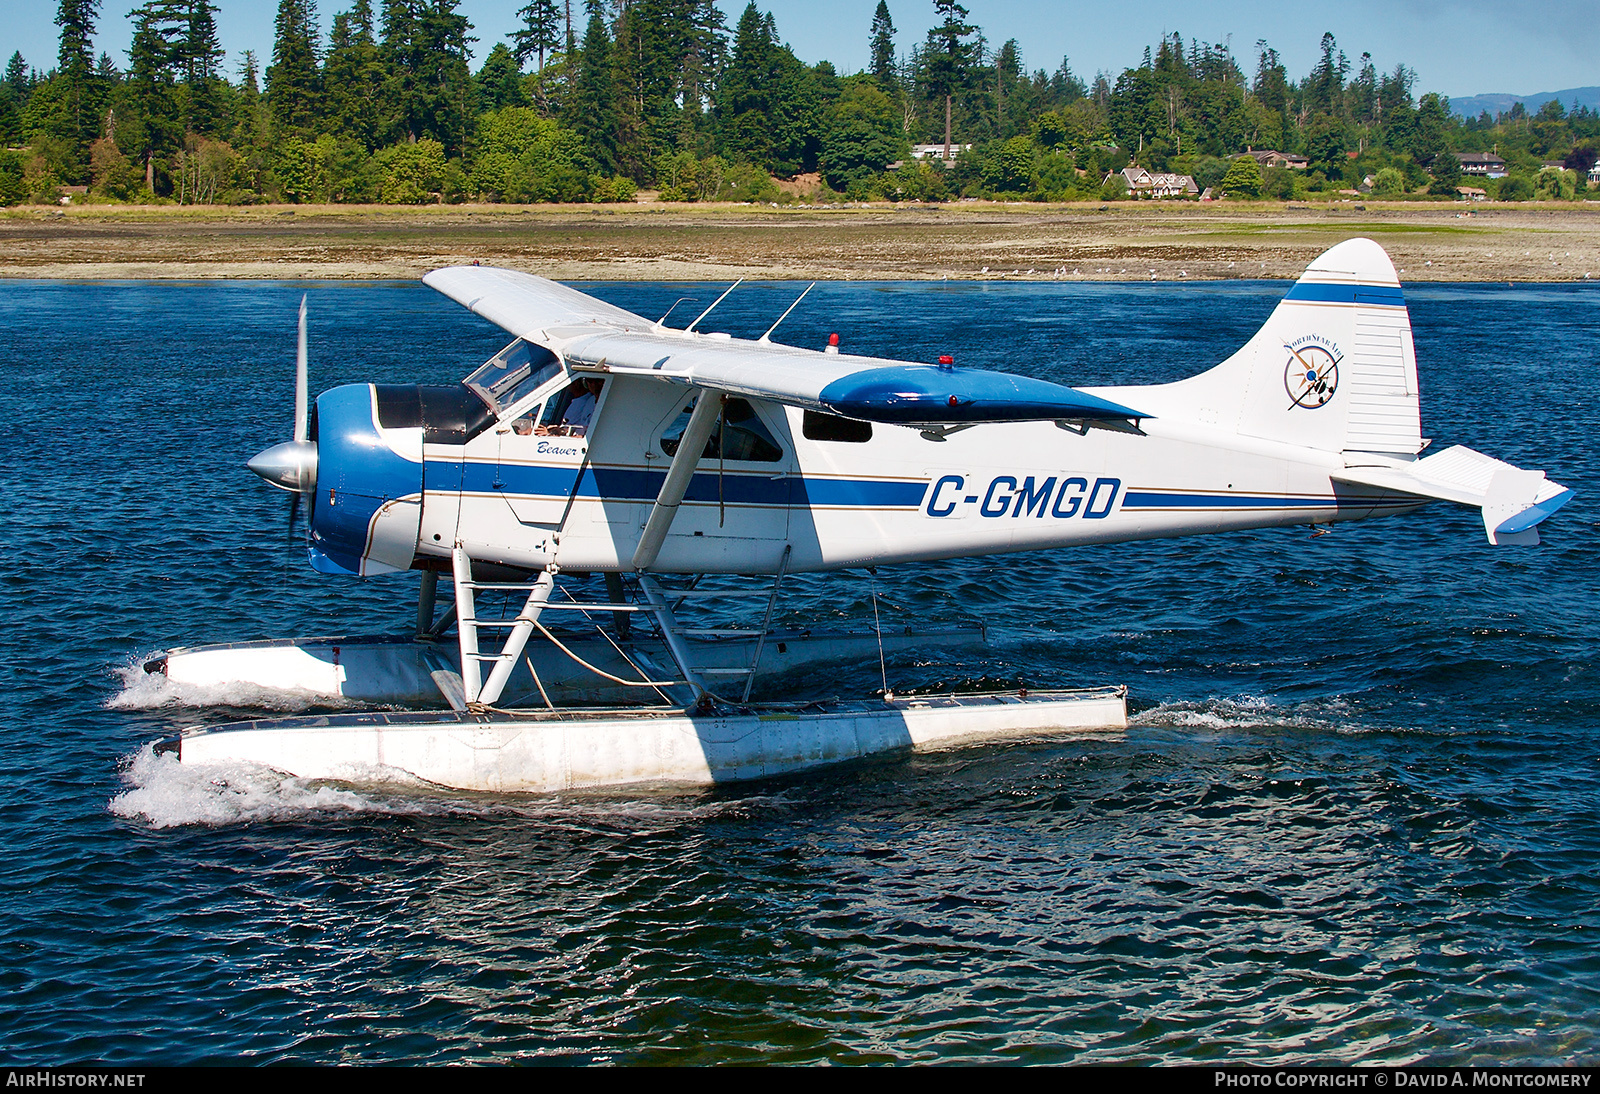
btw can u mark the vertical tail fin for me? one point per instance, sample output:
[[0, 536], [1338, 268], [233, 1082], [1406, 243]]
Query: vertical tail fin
[[1333, 367]]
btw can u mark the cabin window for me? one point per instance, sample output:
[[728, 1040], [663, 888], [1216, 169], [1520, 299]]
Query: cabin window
[[514, 372], [738, 435], [831, 427]]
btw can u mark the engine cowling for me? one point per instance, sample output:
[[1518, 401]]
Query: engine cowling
[[367, 504]]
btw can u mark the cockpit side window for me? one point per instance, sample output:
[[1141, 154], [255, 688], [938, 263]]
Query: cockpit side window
[[566, 413], [516, 371], [739, 434]]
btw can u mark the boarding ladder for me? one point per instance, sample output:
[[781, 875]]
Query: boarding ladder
[[487, 665]]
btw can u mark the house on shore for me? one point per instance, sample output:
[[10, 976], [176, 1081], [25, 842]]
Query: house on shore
[[1485, 165], [1269, 158], [1148, 184], [936, 152]]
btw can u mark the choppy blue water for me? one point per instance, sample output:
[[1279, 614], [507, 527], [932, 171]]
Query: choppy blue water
[[1355, 818]]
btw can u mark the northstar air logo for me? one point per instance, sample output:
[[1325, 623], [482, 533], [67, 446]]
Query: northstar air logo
[[1311, 375]]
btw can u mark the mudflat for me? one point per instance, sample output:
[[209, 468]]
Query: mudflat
[[1118, 241]]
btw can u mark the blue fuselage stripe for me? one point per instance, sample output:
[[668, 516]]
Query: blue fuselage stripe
[[1146, 499], [622, 484]]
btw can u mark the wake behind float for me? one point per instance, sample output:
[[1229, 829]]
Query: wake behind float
[[599, 442]]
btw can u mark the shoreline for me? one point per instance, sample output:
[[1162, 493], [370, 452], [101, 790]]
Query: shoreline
[[1118, 241]]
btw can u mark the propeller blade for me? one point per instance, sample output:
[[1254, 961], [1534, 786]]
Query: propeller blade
[[294, 513], [302, 426]]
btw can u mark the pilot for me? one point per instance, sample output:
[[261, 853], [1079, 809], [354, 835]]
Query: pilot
[[584, 393]]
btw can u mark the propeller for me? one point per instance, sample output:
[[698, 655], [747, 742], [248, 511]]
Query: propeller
[[292, 465]]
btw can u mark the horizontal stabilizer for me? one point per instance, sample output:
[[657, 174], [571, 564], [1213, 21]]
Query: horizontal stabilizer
[[1513, 501]]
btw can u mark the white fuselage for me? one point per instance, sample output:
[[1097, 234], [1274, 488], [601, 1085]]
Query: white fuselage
[[529, 500]]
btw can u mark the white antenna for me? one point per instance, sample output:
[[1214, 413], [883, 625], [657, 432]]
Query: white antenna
[[766, 338], [714, 303], [670, 310]]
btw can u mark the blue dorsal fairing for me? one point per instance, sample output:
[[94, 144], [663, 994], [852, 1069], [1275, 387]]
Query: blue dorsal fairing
[[924, 393]]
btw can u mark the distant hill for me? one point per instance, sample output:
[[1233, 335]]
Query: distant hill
[[1470, 106]]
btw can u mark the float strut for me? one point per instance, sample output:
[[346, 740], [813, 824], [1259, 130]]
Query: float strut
[[669, 631], [467, 624]]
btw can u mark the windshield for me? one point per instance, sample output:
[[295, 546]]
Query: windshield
[[512, 373]]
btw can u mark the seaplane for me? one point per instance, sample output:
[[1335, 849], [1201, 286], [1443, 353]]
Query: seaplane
[[663, 465]]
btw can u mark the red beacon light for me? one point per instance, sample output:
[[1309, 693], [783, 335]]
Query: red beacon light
[[833, 343], [946, 362]]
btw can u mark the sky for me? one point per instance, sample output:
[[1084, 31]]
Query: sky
[[1457, 47]]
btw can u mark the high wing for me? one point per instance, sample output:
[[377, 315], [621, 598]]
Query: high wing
[[593, 336]]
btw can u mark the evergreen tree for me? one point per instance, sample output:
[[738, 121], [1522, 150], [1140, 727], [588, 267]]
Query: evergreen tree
[[17, 83], [76, 20], [947, 58], [1065, 87], [80, 96], [540, 31], [1272, 79], [593, 106], [14, 88], [745, 93], [704, 53], [429, 88], [247, 122], [1007, 78], [294, 93], [155, 130], [500, 81], [352, 77], [633, 155], [200, 57], [1323, 91], [882, 44], [447, 46], [1363, 93], [667, 53], [404, 115], [1433, 123]]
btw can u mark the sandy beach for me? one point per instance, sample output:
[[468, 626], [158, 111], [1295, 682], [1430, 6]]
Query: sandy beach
[[1123, 241]]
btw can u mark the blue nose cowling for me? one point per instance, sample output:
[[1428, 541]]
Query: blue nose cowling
[[357, 474]]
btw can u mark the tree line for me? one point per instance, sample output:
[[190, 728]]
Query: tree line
[[594, 104]]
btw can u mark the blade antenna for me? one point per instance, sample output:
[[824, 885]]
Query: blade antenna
[[768, 336], [302, 428], [714, 303]]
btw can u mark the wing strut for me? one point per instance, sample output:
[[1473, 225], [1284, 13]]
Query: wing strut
[[690, 446]]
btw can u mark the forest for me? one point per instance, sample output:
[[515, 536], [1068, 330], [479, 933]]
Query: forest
[[621, 98]]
